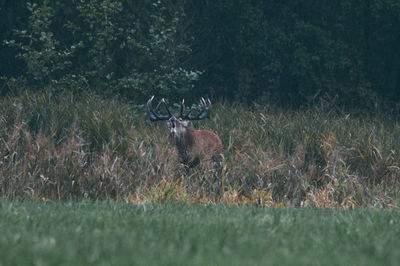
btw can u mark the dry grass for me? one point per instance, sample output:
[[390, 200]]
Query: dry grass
[[77, 147]]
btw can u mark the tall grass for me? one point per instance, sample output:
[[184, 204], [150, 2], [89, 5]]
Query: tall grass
[[70, 147]]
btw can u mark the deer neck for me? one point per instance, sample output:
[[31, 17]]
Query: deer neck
[[184, 140]]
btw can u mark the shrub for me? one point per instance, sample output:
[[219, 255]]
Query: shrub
[[109, 46]]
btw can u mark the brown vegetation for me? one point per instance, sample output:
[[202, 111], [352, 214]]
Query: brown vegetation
[[67, 148]]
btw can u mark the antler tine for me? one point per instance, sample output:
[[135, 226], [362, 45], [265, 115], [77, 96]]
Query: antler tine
[[150, 100], [153, 112], [166, 106], [182, 108], [202, 102], [204, 112], [153, 116], [158, 105]]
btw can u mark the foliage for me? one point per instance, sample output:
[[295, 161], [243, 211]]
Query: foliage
[[86, 147], [45, 59], [103, 45], [296, 52], [290, 52]]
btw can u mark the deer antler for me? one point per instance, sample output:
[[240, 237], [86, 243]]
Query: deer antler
[[204, 112], [153, 112]]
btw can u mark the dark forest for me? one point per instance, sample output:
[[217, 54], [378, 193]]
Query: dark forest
[[288, 52]]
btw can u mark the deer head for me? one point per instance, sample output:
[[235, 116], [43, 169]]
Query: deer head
[[192, 144]]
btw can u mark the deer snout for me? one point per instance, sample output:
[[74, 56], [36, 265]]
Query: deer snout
[[173, 131]]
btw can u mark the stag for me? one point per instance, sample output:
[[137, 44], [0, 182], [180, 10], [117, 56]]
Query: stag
[[191, 144]]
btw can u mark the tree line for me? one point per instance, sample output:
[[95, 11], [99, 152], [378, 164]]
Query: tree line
[[287, 52]]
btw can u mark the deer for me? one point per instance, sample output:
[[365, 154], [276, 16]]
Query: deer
[[192, 145]]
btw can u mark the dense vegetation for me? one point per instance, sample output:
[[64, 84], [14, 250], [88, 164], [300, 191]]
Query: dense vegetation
[[292, 52], [125, 234], [299, 91], [66, 146], [73, 125]]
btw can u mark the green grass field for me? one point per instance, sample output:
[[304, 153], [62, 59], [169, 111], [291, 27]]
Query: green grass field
[[35, 233]]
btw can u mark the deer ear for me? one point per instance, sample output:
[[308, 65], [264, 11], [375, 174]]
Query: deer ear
[[185, 123]]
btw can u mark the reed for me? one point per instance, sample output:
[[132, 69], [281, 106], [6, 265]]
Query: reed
[[72, 147]]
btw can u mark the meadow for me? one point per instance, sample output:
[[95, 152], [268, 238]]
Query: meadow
[[85, 147], [104, 233], [309, 178]]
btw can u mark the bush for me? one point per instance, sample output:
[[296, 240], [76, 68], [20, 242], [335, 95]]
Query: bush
[[103, 45], [295, 52], [290, 52]]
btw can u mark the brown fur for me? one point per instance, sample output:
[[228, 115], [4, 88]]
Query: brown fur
[[196, 145], [192, 145]]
